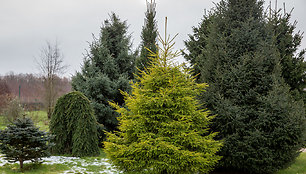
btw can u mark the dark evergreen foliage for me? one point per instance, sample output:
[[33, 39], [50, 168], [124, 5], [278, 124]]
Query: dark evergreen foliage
[[196, 43], [74, 125], [108, 68], [292, 61], [149, 38], [260, 122], [22, 141], [163, 130]]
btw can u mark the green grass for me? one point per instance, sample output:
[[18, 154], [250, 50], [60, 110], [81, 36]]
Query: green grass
[[74, 164], [2, 123], [298, 167], [34, 168], [39, 118]]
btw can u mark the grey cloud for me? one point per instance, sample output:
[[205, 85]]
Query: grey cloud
[[26, 25]]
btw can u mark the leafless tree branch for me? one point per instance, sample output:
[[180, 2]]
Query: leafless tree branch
[[51, 65]]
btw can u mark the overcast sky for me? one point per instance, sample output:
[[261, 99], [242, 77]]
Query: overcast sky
[[26, 25]]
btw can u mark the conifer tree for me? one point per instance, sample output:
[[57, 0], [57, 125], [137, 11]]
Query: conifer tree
[[292, 61], [287, 41], [149, 38], [22, 141], [196, 43], [108, 68], [163, 130], [74, 125], [261, 124]]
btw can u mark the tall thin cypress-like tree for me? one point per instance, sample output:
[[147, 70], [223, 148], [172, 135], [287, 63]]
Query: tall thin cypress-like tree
[[108, 68], [149, 38]]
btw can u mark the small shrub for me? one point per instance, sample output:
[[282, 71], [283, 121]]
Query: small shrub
[[13, 110], [74, 125], [22, 141]]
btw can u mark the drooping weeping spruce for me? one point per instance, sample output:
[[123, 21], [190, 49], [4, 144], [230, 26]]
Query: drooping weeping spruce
[[108, 68], [74, 125], [148, 37], [163, 130], [261, 123]]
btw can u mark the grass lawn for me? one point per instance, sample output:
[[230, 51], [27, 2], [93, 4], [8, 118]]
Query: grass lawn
[[99, 164], [34, 169], [2, 123], [298, 167], [64, 165], [39, 118]]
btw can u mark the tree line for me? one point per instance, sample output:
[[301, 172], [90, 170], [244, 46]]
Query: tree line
[[29, 89]]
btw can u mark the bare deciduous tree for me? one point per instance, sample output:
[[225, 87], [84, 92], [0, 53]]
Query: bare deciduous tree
[[5, 94], [51, 66]]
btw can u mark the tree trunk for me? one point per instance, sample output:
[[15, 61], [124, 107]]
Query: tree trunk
[[21, 164], [49, 96], [49, 112]]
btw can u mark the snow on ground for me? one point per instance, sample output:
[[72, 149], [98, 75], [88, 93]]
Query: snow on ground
[[79, 165], [2, 161]]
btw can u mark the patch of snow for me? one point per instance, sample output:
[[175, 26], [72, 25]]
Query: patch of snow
[[76, 169], [79, 165], [60, 160], [2, 160]]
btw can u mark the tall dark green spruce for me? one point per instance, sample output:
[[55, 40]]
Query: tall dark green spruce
[[163, 130], [196, 43], [149, 38], [108, 68], [292, 60], [261, 123]]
